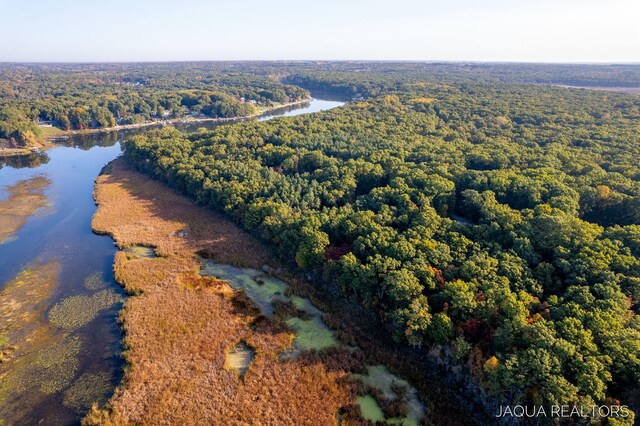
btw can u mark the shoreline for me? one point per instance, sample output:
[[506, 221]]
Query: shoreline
[[167, 289], [182, 325], [52, 141]]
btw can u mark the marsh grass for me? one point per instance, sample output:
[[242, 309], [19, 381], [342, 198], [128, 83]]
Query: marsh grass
[[180, 325]]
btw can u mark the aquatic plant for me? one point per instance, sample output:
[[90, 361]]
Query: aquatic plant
[[76, 311], [55, 365], [49, 370], [90, 388], [95, 282], [21, 303]]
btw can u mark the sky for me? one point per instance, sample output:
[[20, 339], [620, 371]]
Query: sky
[[426, 30]]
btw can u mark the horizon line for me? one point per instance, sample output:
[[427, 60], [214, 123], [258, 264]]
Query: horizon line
[[414, 61]]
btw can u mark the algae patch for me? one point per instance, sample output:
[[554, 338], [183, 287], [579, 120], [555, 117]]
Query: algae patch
[[370, 409], [311, 333], [47, 371], [140, 252], [90, 388], [95, 282], [262, 290], [387, 392], [55, 366], [76, 311], [394, 389]]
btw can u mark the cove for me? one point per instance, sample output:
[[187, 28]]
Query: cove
[[73, 357]]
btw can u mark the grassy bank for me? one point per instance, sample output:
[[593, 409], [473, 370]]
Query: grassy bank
[[180, 325]]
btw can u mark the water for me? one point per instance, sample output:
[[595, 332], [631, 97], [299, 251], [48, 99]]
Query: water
[[264, 291], [61, 233], [77, 321], [311, 333], [316, 105]]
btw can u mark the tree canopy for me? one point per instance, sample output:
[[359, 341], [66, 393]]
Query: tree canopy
[[500, 221]]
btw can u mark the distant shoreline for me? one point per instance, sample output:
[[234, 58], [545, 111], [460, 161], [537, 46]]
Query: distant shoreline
[[50, 141], [618, 89]]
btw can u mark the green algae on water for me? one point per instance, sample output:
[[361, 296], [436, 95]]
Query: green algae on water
[[370, 409], [379, 377], [258, 287], [90, 388], [311, 333], [141, 252], [76, 311], [95, 282]]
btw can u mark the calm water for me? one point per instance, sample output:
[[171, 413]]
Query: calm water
[[62, 233]]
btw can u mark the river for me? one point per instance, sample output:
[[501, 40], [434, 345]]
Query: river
[[70, 348]]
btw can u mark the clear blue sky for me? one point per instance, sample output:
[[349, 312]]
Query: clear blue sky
[[486, 30]]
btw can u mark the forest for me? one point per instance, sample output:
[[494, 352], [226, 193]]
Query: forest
[[493, 220], [82, 96]]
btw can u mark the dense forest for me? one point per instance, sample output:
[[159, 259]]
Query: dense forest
[[81, 96], [495, 224]]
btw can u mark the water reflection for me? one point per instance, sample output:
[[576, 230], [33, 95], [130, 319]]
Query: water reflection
[[86, 141], [34, 159]]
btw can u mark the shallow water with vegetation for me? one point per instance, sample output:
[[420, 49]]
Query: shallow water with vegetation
[[271, 295], [239, 358], [55, 275], [60, 343], [264, 290]]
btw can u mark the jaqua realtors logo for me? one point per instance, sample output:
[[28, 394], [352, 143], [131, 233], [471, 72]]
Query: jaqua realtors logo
[[564, 411]]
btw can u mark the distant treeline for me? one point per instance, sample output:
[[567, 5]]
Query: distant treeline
[[99, 96], [80, 96]]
